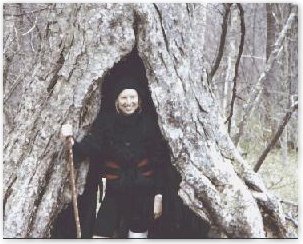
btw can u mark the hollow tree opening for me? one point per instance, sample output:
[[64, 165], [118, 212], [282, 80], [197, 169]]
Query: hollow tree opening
[[177, 220]]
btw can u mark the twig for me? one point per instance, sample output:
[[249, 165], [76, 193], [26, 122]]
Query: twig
[[271, 186], [283, 186], [292, 220], [252, 56]]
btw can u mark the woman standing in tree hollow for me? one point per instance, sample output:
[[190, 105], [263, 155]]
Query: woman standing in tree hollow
[[128, 149]]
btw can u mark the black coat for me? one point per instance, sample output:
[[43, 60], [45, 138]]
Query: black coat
[[127, 141]]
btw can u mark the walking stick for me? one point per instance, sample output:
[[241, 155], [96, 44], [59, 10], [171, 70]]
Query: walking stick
[[73, 184]]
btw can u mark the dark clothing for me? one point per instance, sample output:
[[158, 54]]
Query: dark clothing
[[134, 210], [128, 151], [126, 206]]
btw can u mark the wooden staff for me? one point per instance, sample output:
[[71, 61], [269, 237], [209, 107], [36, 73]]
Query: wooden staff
[[73, 184]]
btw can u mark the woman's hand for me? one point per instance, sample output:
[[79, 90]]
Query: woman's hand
[[66, 131], [157, 206]]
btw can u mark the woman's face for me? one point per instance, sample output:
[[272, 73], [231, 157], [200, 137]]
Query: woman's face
[[128, 101]]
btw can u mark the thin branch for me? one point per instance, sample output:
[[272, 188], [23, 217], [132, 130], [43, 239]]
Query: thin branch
[[222, 42], [241, 45], [252, 56], [276, 137], [288, 217], [283, 186], [274, 183]]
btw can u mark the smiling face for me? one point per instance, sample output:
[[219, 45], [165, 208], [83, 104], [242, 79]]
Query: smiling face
[[128, 101]]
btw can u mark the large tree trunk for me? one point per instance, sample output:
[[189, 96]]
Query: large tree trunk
[[62, 52]]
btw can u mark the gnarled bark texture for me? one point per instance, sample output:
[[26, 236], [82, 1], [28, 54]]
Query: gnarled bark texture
[[55, 58]]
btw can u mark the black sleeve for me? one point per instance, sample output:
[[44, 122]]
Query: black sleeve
[[157, 153], [85, 148], [160, 163], [91, 145]]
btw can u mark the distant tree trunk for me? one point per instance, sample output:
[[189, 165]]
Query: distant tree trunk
[[286, 98], [268, 97], [231, 53], [62, 53], [271, 30]]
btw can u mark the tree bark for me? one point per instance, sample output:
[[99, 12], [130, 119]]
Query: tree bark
[[63, 61]]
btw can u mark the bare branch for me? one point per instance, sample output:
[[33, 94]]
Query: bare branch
[[276, 137], [289, 203], [292, 220], [234, 94], [252, 56]]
